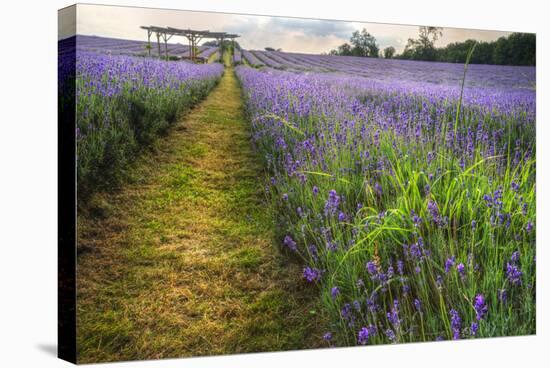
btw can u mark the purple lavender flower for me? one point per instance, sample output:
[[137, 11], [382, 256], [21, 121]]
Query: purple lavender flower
[[488, 200], [502, 296], [285, 197], [312, 274], [400, 267], [378, 189], [513, 274], [334, 292], [372, 269], [515, 256], [332, 246], [480, 306], [461, 269], [372, 305], [315, 190], [474, 328], [332, 203], [390, 272], [456, 324], [529, 226], [434, 212], [390, 335], [393, 315], [449, 263], [327, 336], [416, 219], [363, 336], [342, 216], [290, 243], [347, 314]]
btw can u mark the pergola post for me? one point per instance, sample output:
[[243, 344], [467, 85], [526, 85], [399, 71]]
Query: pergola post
[[165, 47], [158, 43], [149, 42], [165, 37]]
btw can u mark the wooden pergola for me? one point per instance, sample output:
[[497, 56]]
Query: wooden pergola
[[193, 37]]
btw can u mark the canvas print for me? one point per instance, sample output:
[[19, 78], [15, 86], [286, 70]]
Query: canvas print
[[236, 183]]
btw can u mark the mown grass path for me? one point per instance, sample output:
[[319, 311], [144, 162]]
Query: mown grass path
[[181, 261]]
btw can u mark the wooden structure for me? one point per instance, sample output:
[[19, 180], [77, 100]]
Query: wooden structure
[[193, 37]]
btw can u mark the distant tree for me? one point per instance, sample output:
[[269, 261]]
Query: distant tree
[[389, 52], [516, 49], [423, 48], [483, 53], [364, 44], [428, 35], [342, 50], [269, 49], [456, 52]]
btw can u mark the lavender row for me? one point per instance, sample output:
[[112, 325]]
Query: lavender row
[[415, 220], [124, 103]]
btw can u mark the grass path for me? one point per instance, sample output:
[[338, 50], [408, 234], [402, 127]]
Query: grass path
[[181, 260]]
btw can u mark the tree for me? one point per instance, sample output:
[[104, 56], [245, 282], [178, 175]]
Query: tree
[[428, 35], [423, 48], [364, 44], [516, 49], [343, 50], [389, 52]]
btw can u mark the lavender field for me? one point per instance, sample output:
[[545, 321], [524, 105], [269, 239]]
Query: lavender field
[[123, 103], [412, 210], [115, 46], [400, 194]]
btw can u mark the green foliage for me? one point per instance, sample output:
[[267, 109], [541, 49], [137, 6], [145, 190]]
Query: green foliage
[[423, 48], [136, 117], [362, 44], [516, 49], [389, 52]]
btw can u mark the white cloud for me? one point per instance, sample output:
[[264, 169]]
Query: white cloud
[[257, 32]]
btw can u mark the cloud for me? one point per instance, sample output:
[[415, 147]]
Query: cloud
[[257, 32], [312, 27]]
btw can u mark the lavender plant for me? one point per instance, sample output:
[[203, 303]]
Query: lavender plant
[[416, 220], [124, 103]]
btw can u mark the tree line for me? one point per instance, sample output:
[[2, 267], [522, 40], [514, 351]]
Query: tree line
[[515, 49]]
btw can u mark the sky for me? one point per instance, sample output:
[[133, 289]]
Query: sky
[[257, 32]]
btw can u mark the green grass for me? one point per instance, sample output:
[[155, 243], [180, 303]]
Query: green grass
[[180, 261]]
